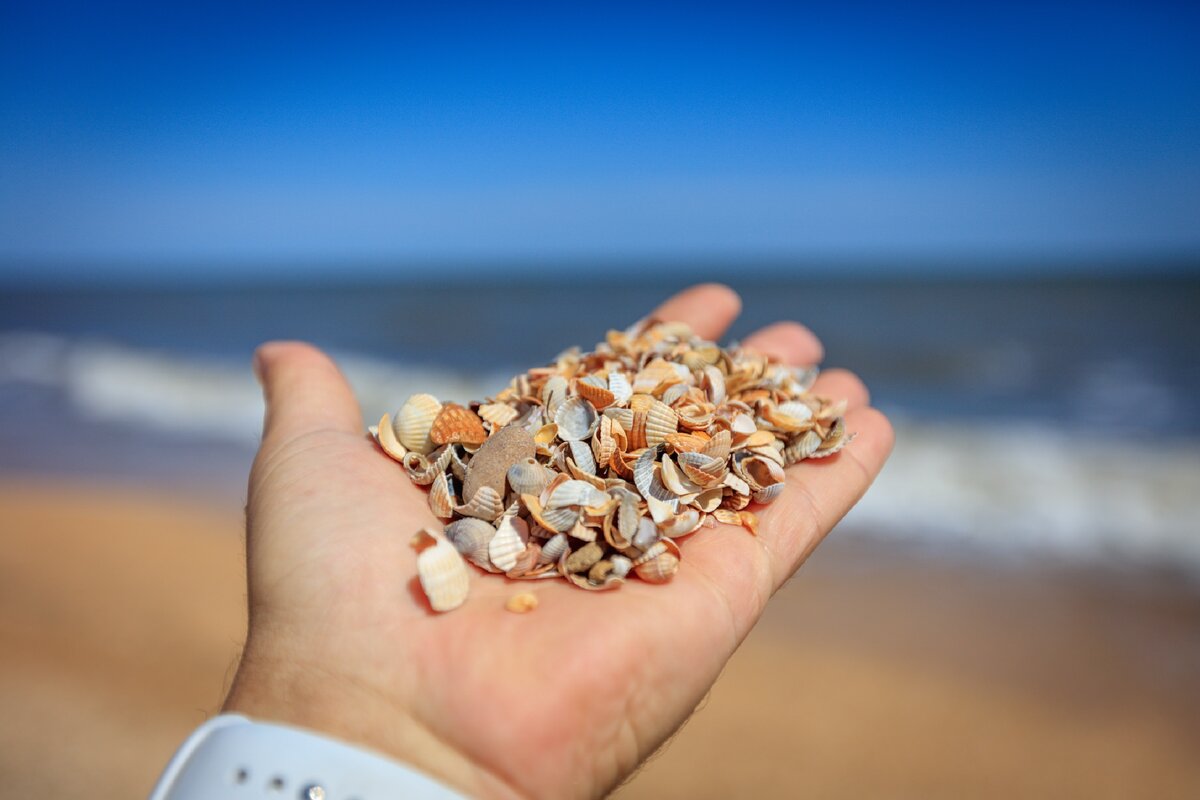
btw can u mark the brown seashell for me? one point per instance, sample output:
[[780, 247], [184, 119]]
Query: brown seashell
[[441, 499], [695, 416], [490, 465], [441, 570], [687, 522], [385, 434], [486, 504], [735, 501], [604, 444], [727, 516], [414, 421], [457, 424], [704, 470], [686, 442], [595, 393], [834, 441], [499, 414], [584, 558]]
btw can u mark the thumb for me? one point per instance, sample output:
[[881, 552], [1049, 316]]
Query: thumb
[[304, 392]]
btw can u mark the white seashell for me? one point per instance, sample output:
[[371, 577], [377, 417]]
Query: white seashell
[[714, 384], [718, 446], [554, 392], [687, 522], [621, 566], [581, 454], [486, 504], [675, 392], [659, 569], [441, 570], [800, 447], [757, 471], [646, 534], [470, 537], [661, 421], [796, 410], [576, 419], [622, 416], [575, 493], [646, 476], [768, 494], [628, 515], [735, 483], [702, 469], [553, 549], [675, 480], [710, 499], [660, 512], [508, 543], [441, 499], [414, 421], [618, 384], [499, 414], [528, 477]]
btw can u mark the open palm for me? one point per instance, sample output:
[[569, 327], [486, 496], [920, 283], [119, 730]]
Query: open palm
[[563, 702]]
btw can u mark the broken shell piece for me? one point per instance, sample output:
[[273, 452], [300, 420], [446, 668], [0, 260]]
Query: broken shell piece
[[802, 446], [646, 475], [441, 500], [385, 434], [421, 469], [768, 494], [594, 390], [522, 603], [499, 414], [621, 566], [576, 419], [508, 543], [457, 424], [486, 505], [471, 537], [441, 570], [703, 470], [414, 421], [528, 477], [618, 384], [574, 493], [661, 422]]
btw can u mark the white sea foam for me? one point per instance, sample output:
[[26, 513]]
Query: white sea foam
[[1012, 486]]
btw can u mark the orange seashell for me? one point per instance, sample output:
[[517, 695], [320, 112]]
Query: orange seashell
[[598, 396], [457, 424]]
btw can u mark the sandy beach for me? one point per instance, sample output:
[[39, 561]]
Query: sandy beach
[[880, 671]]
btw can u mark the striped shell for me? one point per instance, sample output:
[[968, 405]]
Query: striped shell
[[528, 477], [702, 469], [456, 424], [553, 549], [421, 470], [658, 564], [470, 537], [801, 446], [574, 493], [618, 384], [498, 414], [508, 543], [661, 422], [576, 419], [441, 570], [414, 421], [594, 390], [441, 498], [646, 476], [486, 504]]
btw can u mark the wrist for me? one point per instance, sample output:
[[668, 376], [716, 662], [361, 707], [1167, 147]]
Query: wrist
[[318, 699]]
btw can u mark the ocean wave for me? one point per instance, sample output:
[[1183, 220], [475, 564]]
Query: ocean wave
[[1026, 486]]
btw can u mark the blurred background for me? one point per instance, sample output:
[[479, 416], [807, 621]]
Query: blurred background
[[990, 211]]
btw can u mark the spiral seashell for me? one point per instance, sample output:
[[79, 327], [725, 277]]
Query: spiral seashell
[[768, 494], [498, 414], [618, 384], [470, 537], [421, 469], [509, 542], [414, 422], [553, 549], [576, 419], [574, 493], [703, 470], [661, 422], [594, 390], [385, 434], [455, 424], [441, 499], [658, 564], [443, 574], [528, 477], [486, 504], [801, 446]]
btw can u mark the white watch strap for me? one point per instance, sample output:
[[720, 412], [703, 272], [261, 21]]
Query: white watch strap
[[231, 756]]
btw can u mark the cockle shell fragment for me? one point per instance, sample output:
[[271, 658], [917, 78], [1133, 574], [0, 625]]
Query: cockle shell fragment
[[441, 570], [592, 468]]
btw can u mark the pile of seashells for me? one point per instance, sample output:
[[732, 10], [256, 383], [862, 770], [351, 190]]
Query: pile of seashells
[[592, 468]]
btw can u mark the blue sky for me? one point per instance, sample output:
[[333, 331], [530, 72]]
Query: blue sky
[[226, 138]]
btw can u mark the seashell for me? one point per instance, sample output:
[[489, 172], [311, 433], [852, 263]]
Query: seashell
[[522, 603], [675, 480], [749, 521], [554, 392], [509, 542], [661, 566], [675, 393], [574, 493], [714, 385], [796, 409], [491, 464], [576, 419], [593, 390], [760, 438], [458, 465], [618, 384], [661, 421], [622, 416], [736, 484], [470, 537], [527, 476], [610, 581], [553, 549], [741, 426], [710, 499], [499, 414], [441, 570], [604, 444], [703, 470], [768, 494], [581, 456], [800, 447], [628, 515], [646, 475], [735, 501], [457, 424], [621, 566], [421, 469], [557, 520], [687, 522], [833, 441], [686, 442], [582, 532], [486, 504], [646, 534], [655, 374], [695, 416], [584, 558], [385, 434], [757, 471], [719, 445], [660, 511], [441, 499], [414, 422], [727, 516]]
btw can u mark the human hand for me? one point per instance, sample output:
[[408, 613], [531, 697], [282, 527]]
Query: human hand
[[564, 702]]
